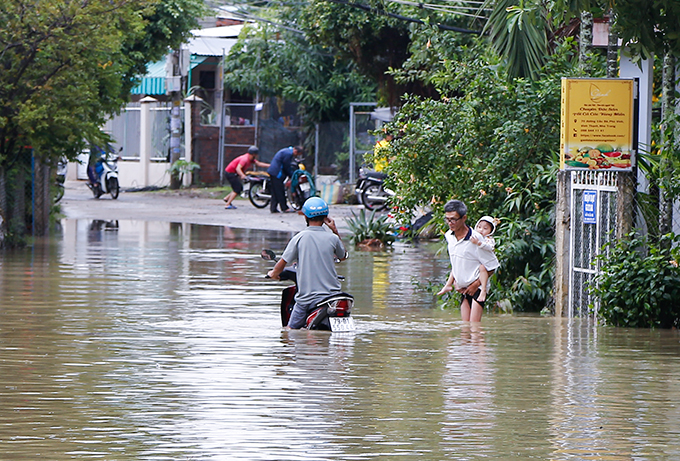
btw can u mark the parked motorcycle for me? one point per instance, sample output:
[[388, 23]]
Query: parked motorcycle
[[331, 313], [107, 182], [298, 188], [371, 191]]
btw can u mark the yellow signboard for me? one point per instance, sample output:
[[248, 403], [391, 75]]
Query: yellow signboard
[[596, 131]]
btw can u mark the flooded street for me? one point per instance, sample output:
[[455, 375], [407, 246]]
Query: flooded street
[[134, 340]]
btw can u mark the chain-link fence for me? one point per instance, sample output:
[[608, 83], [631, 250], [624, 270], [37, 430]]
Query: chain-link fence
[[328, 145], [604, 207]]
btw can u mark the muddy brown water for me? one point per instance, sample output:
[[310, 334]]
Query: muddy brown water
[[134, 340]]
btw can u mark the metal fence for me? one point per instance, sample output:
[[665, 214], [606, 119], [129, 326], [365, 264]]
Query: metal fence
[[596, 201], [593, 198]]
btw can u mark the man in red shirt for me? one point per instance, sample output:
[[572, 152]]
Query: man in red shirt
[[236, 172]]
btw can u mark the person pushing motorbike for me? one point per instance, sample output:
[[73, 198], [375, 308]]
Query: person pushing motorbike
[[315, 250], [236, 172], [281, 168]]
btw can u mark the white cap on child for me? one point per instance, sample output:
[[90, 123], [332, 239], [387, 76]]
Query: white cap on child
[[490, 220]]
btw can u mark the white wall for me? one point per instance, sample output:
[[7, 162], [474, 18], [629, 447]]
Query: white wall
[[129, 174]]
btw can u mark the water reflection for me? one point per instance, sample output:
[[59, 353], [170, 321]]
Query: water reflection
[[469, 384], [142, 340]]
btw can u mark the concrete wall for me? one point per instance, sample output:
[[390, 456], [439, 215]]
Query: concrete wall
[[129, 173]]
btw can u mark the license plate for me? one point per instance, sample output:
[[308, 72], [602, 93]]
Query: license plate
[[342, 323], [304, 186]]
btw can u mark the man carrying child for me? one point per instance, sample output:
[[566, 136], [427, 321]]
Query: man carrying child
[[466, 259]]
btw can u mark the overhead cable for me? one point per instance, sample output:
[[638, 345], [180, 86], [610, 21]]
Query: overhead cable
[[404, 18], [454, 9]]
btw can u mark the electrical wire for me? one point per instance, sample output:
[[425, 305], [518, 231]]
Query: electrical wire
[[453, 9], [404, 18], [430, 6]]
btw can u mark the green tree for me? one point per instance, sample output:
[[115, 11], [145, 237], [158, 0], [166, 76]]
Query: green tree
[[492, 144], [271, 61], [67, 66], [649, 27], [261, 62]]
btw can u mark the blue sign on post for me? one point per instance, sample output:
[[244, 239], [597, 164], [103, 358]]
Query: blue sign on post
[[589, 207]]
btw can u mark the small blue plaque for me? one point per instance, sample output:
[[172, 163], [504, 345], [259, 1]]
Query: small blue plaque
[[589, 207]]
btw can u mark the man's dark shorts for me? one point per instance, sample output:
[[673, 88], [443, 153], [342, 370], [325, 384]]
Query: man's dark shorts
[[235, 182], [472, 297]]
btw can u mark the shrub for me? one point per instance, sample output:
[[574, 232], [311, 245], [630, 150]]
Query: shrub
[[491, 144], [370, 228], [639, 283], [181, 167]]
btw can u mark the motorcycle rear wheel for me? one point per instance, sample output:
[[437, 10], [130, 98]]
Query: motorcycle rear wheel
[[255, 195], [372, 204], [60, 192], [294, 200], [114, 187]]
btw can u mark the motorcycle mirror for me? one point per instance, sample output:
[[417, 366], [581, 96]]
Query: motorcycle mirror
[[268, 255]]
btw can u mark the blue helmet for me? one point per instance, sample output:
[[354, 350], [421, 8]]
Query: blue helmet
[[315, 206]]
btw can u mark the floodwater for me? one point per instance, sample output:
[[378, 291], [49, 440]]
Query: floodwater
[[156, 341]]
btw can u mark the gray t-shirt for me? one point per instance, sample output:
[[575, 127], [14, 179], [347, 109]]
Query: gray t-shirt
[[315, 250]]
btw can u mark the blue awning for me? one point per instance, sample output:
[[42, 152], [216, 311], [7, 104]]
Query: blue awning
[[153, 83]]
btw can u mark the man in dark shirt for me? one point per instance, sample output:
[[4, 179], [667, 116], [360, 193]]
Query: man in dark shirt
[[280, 168]]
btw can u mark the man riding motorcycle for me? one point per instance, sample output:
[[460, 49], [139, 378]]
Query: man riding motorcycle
[[94, 163], [315, 249]]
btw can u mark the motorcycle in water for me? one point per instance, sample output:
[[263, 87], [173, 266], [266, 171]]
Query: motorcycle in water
[[298, 188], [371, 191], [107, 182], [332, 313]]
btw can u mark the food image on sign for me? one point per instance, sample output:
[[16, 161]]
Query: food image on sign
[[596, 128], [602, 156]]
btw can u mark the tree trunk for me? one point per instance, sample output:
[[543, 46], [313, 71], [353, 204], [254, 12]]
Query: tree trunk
[[668, 143], [585, 42], [4, 215], [17, 223], [612, 48], [42, 201], [175, 125]]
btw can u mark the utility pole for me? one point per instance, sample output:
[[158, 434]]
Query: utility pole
[[175, 90]]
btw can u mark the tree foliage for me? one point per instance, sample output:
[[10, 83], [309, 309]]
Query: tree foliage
[[639, 283], [295, 69], [374, 42], [491, 143], [519, 32], [649, 26], [67, 65]]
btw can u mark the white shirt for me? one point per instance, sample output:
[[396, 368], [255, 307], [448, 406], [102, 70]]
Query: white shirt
[[466, 257]]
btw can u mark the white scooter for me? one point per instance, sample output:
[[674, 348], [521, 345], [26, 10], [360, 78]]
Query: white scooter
[[108, 177]]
